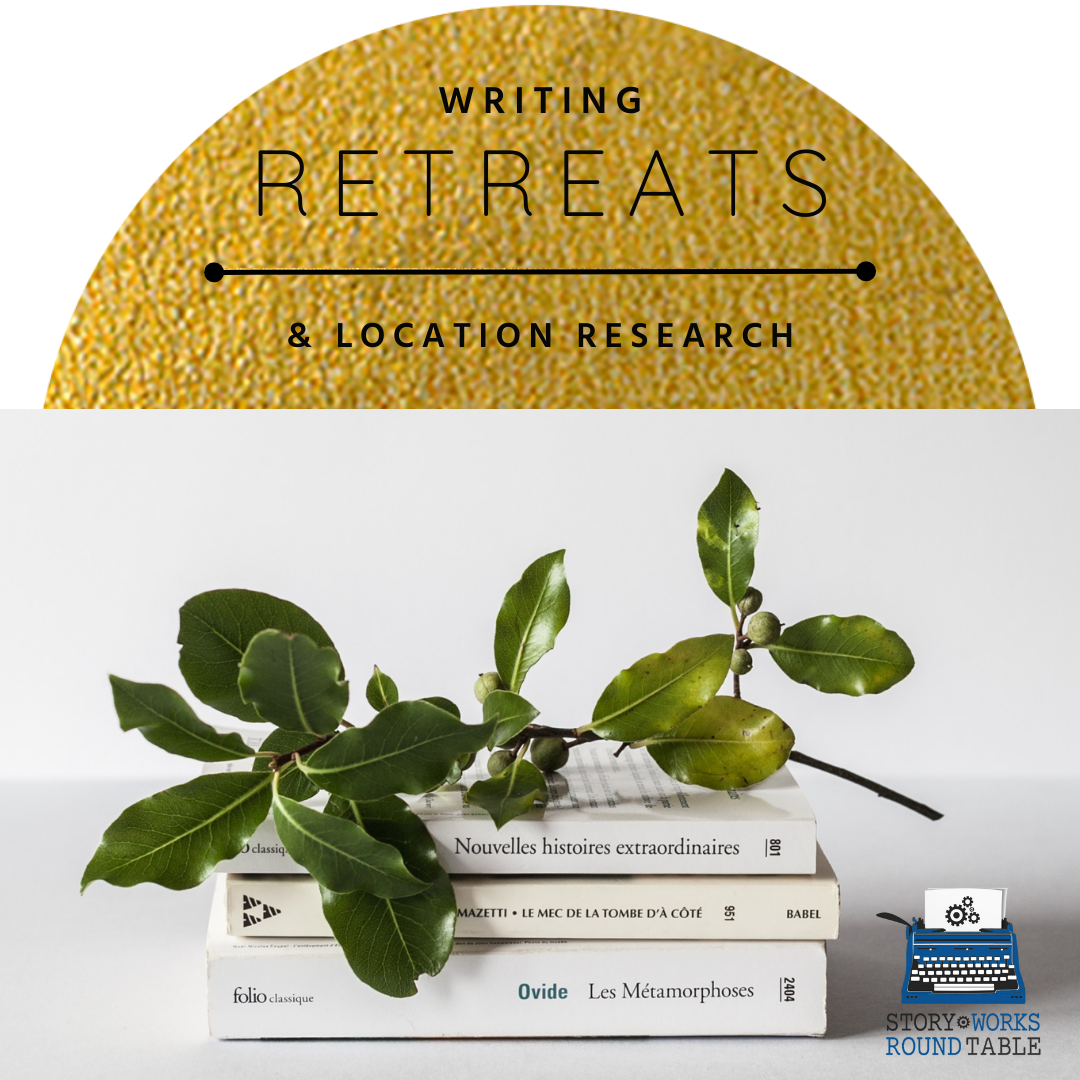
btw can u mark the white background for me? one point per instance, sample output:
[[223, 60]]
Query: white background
[[979, 98], [400, 532]]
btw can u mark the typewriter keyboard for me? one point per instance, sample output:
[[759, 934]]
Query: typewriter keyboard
[[961, 972]]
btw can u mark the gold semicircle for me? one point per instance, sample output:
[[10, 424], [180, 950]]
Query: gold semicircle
[[927, 331]]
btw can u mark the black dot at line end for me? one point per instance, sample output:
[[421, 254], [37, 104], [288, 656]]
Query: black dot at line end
[[865, 271], [215, 271]]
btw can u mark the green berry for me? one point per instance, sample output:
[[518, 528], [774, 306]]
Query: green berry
[[750, 602], [485, 684], [763, 628], [741, 662], [500, 761], [549, 755]]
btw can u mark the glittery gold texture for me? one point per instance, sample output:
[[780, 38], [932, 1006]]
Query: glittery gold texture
[[151, 331]]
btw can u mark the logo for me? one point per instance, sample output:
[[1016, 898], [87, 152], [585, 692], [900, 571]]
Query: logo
[[962, 951], [947, 1034], [251, 913], [964, 912], [252, 995]]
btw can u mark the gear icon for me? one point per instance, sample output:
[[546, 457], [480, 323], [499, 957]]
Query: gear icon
[[973, 917], [962, 1021], [968, 902], [956, 915]]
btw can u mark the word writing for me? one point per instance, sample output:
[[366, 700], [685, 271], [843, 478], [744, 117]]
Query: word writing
[[592, 101]]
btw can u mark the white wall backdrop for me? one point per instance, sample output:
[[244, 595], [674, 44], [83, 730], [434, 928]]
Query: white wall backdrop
[[401, 531], [978, 98]]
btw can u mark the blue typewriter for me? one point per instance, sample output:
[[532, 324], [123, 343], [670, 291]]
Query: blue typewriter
[[976, 967]]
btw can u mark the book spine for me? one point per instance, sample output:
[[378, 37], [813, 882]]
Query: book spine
[[720, 908], [264, 853], [472, 846], [641, 988]]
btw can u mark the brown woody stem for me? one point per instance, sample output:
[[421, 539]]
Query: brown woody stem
[[541, 731], [284, 759], [536, 731], [741, 642], [879, 789]]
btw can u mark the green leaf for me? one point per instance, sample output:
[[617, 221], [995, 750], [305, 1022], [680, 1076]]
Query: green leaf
[[727, 743], [853, 655], [457, 769], [445, 704], [511, 713], [389, 943], [533, 612], [293, 683], [215, 630], [176, 837], [381, 690], [291, 781], [340, 854], [511, 793], [454, 775], [409, 747], [662, 689], [165, 719], [391, 821], [727, 534]]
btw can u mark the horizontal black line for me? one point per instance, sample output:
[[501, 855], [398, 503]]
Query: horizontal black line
[[865, 271]]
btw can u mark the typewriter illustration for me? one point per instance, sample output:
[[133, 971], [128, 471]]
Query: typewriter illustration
[[977, 966]]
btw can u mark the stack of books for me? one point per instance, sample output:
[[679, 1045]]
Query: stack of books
[[632, 905]]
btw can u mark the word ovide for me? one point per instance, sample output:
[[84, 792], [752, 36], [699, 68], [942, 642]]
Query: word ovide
[[536, 993]]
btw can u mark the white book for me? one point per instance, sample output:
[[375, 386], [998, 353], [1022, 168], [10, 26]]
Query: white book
[[261, 988], [605, 815], [659, 907]]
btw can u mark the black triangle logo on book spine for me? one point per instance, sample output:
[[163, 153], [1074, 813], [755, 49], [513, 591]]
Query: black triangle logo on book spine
[[250, 918]]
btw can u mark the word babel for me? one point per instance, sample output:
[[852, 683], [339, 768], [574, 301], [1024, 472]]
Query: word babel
[[496, 161]]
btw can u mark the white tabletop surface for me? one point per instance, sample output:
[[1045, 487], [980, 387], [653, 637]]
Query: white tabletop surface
[[112, 984]]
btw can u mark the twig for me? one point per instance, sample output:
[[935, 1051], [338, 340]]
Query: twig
[[541, 731], [290, 755], [741, 642], [855, 778]]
